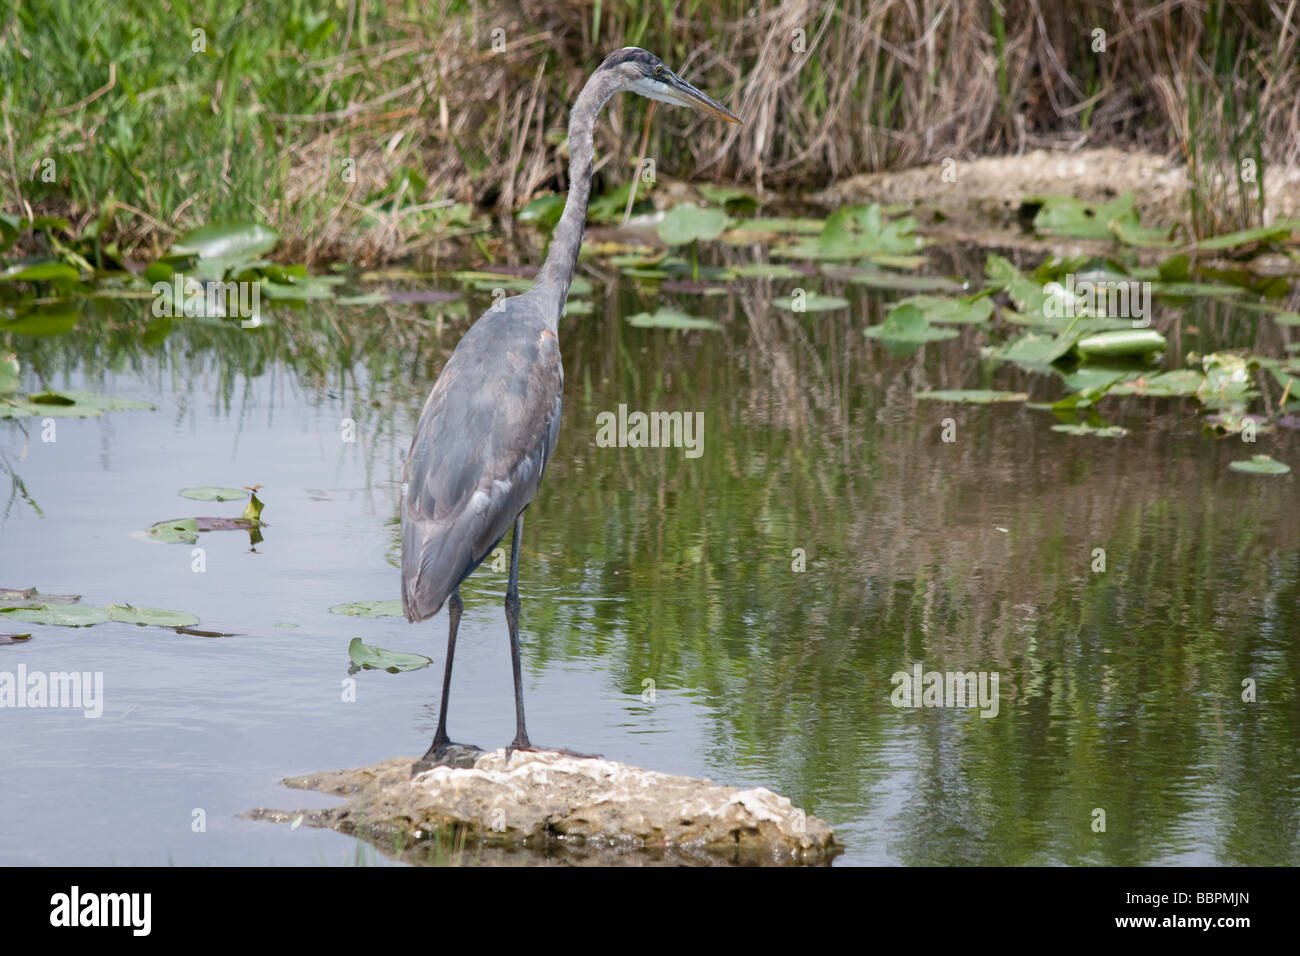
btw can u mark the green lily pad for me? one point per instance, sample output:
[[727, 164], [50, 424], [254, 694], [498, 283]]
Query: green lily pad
[[1032, 350], [227, 240], [970, 310], [1261, 465], [665, 318], [126, 614], [729, 196], [857, 232], [68, 405], [63, 615], [176, 531], [211, 493], [691, 223], [368, 657], [811, 302], [370, 609], [1067, 216], [907, 325], [974, 396], [1177, 383], [1121, 342]]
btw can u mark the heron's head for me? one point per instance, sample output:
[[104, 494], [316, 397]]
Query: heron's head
[[643, 72]]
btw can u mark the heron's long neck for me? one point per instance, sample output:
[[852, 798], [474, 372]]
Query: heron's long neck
[[556, 273]]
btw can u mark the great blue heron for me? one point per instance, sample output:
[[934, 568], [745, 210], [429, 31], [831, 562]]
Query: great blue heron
[[490, 423]]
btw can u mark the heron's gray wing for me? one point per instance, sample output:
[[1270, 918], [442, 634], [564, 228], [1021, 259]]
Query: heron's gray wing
[[482, 443]]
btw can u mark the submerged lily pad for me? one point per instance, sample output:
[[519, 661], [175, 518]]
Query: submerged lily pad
[[63, 615], [974, 396], [126, 614], [1261, 465], [665, 318], [370, 609], [368, 657], [211, 493]]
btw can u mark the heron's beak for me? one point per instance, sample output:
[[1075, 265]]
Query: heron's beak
[[678, 91]]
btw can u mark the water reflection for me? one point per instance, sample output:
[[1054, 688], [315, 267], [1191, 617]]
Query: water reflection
[[1121, 689]]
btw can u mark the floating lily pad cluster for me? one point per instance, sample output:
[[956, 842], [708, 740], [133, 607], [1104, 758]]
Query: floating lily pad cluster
[[65, 610], [187, 530], [51, 404]]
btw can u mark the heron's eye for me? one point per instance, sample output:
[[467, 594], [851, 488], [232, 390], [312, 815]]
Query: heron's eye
[[658, 70]]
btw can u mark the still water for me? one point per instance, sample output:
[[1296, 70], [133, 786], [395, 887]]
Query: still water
[[766, 591]]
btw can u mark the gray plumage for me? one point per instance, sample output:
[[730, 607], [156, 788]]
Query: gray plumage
[[490, 423]]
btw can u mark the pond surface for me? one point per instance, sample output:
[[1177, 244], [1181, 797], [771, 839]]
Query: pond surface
[[1120, 690]]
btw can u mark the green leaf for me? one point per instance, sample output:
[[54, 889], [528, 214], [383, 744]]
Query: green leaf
[[730, 196], [370, 609], [42, 270], [227, 240], [63, 615], [126, 614], [176, 531], [544, 210], [369, 657], [1032, 350], [971, 310], [1277, 231], [666, 318], [690, 223], [212, 493], [69, 405], [908, 325], [1067, 216], [1261, 465], [857, 232], [1126, 342], [974, 396]]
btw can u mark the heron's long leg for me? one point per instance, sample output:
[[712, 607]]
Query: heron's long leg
[[512, 622], [454, 607]]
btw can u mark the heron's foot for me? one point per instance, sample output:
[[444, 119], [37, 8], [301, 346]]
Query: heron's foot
[[447, 753], [527, 747]]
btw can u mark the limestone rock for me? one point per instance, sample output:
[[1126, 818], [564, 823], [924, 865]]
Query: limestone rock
[[566, 808]]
